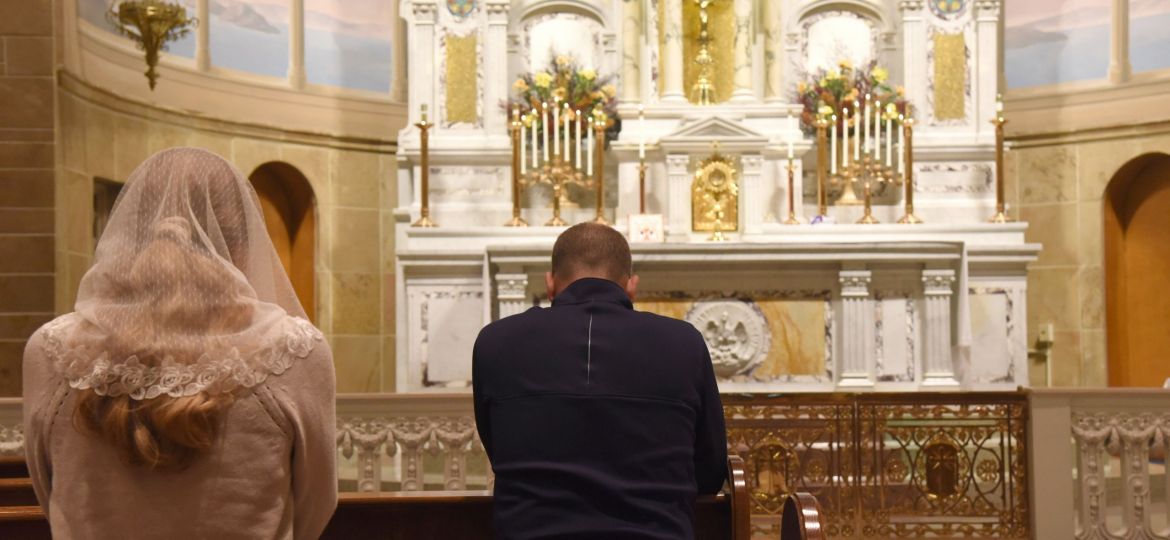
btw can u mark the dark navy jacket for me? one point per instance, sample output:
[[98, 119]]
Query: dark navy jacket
[[600, 421]]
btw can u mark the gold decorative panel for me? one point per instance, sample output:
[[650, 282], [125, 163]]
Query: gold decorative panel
[[462, 79], [721, 26], [715, 196], [950, 76], [888, 465]]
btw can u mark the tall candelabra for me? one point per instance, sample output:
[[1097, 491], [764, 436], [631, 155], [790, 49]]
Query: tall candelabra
[[424, 127], [559, 156], [704, 89], [866, 158], [1000, 206]]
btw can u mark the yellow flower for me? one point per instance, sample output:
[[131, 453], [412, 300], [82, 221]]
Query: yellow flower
[[846, 64], [609, 90], [833, 75], [563, 60], [802, 87], [852, 95], [520, 86], [824, 82], [880, 74], [901, 91], [559, 92], [891, 109], [825, 110], [542, 79], [587, 74]]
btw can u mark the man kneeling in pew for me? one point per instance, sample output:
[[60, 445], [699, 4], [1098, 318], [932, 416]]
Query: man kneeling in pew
[[600, 421]]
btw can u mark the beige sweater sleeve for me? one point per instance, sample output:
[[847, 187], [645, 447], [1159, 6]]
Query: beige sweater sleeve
[[43, 394], [306, 396]]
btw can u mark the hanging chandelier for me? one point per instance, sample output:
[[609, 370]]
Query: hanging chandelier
[[151, 24]]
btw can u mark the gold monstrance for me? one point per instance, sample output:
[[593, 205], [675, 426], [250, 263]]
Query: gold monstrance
[[715, 197]]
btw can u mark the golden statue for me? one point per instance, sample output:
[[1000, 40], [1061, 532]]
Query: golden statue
[[715, 197]]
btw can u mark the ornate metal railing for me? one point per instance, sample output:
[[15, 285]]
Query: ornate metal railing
[[888, 465], [1085, 464]]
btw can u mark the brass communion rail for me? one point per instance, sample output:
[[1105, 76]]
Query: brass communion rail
[[938, 465]]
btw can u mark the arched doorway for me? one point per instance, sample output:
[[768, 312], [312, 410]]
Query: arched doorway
[[290, 214], [1137, 263]]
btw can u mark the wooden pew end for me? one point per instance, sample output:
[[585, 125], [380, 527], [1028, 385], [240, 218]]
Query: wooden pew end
[[801, 518]]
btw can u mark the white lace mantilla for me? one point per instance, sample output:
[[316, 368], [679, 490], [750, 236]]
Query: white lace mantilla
[[213, 375]]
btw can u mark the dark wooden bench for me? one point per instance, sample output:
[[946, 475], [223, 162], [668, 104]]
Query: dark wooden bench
[[468, 515]]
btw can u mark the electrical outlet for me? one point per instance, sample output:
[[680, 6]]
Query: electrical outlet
[[1047, 335]]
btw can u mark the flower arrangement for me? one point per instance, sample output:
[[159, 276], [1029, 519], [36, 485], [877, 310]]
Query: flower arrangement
[[832, 90], [566, 80]]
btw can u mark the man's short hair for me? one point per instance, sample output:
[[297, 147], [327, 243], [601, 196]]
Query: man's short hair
[[594, 250]]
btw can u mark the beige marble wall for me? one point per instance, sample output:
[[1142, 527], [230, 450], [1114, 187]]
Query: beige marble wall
[[1056, 183], [27, 157], [103, 135]]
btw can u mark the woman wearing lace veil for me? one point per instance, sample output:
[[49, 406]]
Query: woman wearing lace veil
[[186, 396]]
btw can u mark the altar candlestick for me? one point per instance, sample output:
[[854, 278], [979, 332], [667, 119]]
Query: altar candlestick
[[877, 131], [544, 127], [642, 130], [866, 125], [535, 146], [845, 137], [857, 132], [833, 147], [889, 140], [523, 147], [577, 144], [556, 127], [568, 131], [589, 148], [790, 126], [901, 145], [999, 104]]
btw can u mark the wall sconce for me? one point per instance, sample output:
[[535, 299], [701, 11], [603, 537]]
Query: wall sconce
[[151, 24]]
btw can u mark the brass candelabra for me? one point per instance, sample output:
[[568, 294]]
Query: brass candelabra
[[151, 24], [424, 127], [868, 169], [791, 195], [516, 130], [558, 171]]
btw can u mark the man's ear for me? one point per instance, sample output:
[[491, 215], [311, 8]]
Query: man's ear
[[632, 287], [551, 285]]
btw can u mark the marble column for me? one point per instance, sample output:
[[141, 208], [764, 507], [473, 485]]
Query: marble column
[[511, 294], [203, 36], [678, 185], [986, 57], [773, 52], [398, 54], [752, 195], [631, 50], [422, 83], [743, 52], [495, 49], [672, 53], [1119, 66], [296, 43], [857, 331], [914, 54], [938, 286]]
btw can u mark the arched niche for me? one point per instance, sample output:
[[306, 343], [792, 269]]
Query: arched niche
[[1137, 261], [289, 207]]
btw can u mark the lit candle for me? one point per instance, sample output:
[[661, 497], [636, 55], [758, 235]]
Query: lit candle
[[568, 131], [877, 131], [577, 146], [521, 142], [544, 127], [423, 111], [901, 144], [556, 127], [865, 125], [845, 137], [999, 104], [589, 148], [642, 129], [534, 121], [833, 147], [856, 131], [889, 139]]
